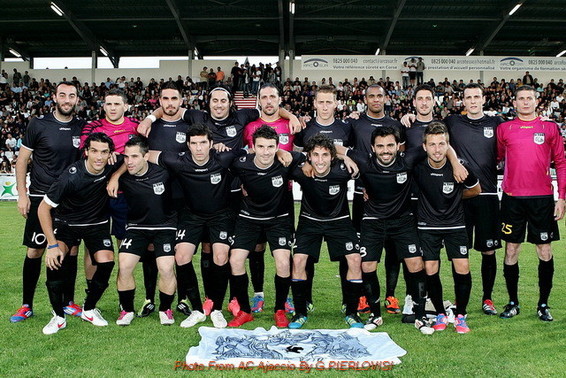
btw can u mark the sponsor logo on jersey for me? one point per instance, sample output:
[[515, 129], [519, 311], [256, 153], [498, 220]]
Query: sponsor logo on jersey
[[73, 170], [181, 137], [167, 247], [282, 241], [488, 132], [231, 131], [339, 142], [538, 138], [158, 188], [215, 178], [463, 250], [349, 246], [334, 189], [544, 236], [107, 242], [223, 235], [76, 141], [277, 181], [412, 248], [283, 138], [447, 187], [401, 177]]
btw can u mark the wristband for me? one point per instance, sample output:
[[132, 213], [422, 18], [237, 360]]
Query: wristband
[[151, 117], [56, 245]]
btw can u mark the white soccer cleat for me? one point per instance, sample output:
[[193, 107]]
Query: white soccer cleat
[[424, 326], [166, 317], [218, 319], [408, 306], [55, 324], [94, 317], [125, 318], [193, 319]]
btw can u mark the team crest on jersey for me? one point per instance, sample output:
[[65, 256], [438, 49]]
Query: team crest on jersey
[[243, 159], [538, 138], [231, 131], [181, 137], [284, 138], [489, 243], [158, 188], [73, 170], [215, 178], [412, 248], [401, 177], [334, 189], [349, 246], [343, 166], [544, 236], [223, 235], [282, 241], [488, 132], [167, 247], [76, 141], [447, 187], [463, 250], [277, 181], [107, 243]]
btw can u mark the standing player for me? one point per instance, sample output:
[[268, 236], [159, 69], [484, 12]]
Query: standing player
[[264, 209], [79, 199], [151, 220], [529, 145], [54, 141], [440, 216], [423, 101], [325, 214]]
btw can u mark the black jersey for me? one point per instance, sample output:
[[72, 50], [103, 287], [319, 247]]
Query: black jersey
[[440, 198], [206, 187], [168, 136], [79, 197], [267, 188], [150, 205], [325, 198], [388, 187], [474, 140], [55, 146], [415, 134], [339, 131], [364, 126], [228, 131]]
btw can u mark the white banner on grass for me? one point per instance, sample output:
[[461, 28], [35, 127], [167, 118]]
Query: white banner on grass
[[315, 349]]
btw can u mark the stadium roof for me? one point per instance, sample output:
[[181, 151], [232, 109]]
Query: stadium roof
[[32, 28]]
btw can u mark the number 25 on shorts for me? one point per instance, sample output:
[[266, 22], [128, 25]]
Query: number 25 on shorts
[[507, 229]]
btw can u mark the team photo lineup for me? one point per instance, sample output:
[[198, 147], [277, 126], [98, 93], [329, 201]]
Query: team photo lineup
[[153, 191]]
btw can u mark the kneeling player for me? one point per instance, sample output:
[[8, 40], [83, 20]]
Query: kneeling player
[[151, 220], [80, 202], [325, 214]]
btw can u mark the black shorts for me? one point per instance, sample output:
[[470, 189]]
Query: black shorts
[[402, 233], [248, 231], [137, 240], [534, 213], [213, 229], [33, 234], [118, 211], [340, 237], [96, 237], [455, 242], [482, 216]]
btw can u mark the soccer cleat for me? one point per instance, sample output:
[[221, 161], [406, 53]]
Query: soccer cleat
[[55, 324], [298, 321], [488, 307], [147, 308], [73, 309], [234, 307], [166, 317], [354, 321], [95, 317], [183, 307], [510, 310], [373, 322], [207, 306], [218, 320], [460, 324], [440, 322], [125, 318], [544, 313], [363, 307], [423, 325], [280, 318], [310, 307], [240, 319], [195, 317], [408, 306], [22, 314], [392, 305], [289, 306], [257, 303]]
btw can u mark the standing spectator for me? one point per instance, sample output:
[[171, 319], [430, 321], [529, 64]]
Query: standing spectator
[[528, 79], [405, 75], [204, 76], [26, 79], [211, 78], [420, 71], [412, 72], [236, 73], [220, 76], [16, 78]]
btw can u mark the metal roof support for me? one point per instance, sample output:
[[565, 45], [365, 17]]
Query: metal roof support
[[484, 43], [398, 9]]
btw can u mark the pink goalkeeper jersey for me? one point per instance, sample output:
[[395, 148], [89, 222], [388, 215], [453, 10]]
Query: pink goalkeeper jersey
[[281, 126], [528, 148], [120, 134]]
